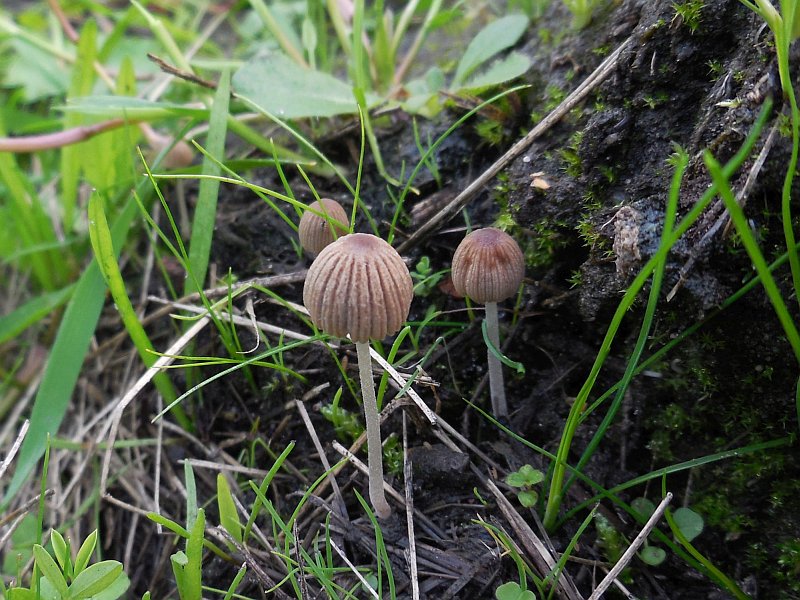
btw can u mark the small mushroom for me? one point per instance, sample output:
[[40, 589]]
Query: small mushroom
[[488, 267], [360, 286], [322, 222]]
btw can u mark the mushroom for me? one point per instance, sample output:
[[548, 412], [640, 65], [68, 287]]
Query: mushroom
[[321, 225], [488, 267], [359, 286]]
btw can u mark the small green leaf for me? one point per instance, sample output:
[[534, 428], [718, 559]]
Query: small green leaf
[[689, 522], [85, 552], [532, 476], [59, 549], [228, 517], [490, 41], [528, 498], [95, 579], [644, 507], [501, 71], [50, 570], [653, 555], [512, 591]]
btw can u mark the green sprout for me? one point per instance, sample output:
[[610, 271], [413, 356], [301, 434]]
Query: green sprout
[[524, 479]]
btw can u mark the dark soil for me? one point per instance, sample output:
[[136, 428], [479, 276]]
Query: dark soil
[[729, 386]]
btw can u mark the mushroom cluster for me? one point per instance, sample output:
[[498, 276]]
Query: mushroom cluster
[[360, 286], [488, 267]]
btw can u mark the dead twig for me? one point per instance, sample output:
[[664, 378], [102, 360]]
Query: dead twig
[[130, 395], [14, 448], [411, 551], [181, 74], [461, 200], [628, 555], [533, 545]]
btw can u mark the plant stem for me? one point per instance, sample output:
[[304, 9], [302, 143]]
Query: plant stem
[[373, 420], [498, 391]]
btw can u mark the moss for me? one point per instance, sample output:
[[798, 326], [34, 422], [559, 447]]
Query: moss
[[689, 13], [570, 155]]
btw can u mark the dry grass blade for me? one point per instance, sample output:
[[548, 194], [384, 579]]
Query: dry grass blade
[[253, 564], [429, 414], [137, 387], [352, 567], [411, 552], [628, 555], [535, 548], [14, 448], [341, 507]]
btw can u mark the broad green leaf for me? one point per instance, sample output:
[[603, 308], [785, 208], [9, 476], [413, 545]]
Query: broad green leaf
[[288, 91], [50, 570], [132, 108], [85, 552], [653, 555], [35, 71], [95, 579], [512, 66], [689, 522], [490, 41], [228, 516], [14, 323]]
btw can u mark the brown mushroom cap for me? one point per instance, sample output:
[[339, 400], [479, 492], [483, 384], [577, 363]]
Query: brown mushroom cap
[[315, 232], [360, 286], [488, 266]]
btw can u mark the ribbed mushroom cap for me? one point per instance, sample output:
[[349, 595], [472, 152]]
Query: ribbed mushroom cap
[[360, 286], [315, 232], [488, 266]]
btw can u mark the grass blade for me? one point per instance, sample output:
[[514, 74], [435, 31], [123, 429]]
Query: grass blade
[[14, 323], [206, 211], [106, 258]]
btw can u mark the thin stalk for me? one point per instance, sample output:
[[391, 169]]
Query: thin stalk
[[498, 391], [373, 420]]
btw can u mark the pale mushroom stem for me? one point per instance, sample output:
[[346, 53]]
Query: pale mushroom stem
[[498, 390], [373, 420]]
